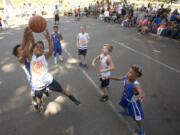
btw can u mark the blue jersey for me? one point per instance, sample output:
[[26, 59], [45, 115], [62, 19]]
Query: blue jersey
[[129, 89], [56, 44], [26, 68], [130, 101]]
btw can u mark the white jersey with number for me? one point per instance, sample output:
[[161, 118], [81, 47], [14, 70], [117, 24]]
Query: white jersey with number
[[104, 65], [41, 78], [83, 40]]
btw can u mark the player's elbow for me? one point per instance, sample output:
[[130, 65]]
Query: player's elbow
[[112, 67]]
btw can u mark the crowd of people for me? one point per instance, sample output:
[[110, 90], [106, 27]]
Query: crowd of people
[[154, 19], [3, 19]]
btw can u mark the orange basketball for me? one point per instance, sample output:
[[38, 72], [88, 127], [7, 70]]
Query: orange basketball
[[37, 23]]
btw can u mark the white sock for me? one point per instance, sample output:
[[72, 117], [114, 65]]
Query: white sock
[[85, 62], [60, 57]]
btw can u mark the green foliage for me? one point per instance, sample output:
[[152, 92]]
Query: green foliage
[[1, 3], [167, 1]]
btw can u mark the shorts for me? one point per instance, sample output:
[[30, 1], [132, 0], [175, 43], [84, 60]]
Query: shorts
[[58, 50], [54, 86], [104, 83], [82, 52], [56, 17], [0, 24], [134, 107]]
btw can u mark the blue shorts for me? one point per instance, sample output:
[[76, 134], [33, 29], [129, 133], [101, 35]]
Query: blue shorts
[[58, 50], [134, 107], [82, 52], [54, 86], [0, 24]]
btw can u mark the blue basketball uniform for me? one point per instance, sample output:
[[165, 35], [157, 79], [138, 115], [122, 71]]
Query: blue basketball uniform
[[56, 44], [28, 73], [130, 101]]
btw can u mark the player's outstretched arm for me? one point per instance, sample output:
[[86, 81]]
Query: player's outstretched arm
[[25, 53], [33, 43], [48, 54], [94, 60], [25, 37], [141, 94], [116, 78]]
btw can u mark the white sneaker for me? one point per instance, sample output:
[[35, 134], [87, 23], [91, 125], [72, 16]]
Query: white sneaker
[[55, 60], [60, 58]]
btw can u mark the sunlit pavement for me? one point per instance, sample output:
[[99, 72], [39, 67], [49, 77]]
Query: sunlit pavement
[[159, 58]]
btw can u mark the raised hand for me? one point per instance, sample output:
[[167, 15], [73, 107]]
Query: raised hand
[[46, 35]]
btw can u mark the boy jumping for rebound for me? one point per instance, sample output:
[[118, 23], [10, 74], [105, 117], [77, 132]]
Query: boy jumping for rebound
[[56, 39], [82, 45], [23, 52], [106, 66], [132, 95], [41, 78]]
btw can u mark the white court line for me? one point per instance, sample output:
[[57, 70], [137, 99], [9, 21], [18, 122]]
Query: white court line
[[131, 129], [146, 56]]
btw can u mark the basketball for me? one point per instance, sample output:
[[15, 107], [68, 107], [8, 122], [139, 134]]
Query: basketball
[[37, 23]]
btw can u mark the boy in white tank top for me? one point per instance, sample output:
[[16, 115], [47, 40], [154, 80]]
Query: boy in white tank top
[[106, 66], [41, 78], [82, 45]]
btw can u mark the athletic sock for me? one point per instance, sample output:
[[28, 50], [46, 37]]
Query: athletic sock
[[85, 62], [72, 98]]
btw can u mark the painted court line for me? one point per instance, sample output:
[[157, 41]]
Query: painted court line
[[146, 56], [131, 129]]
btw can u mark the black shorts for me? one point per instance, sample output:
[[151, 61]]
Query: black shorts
[[54, 86], [56, 17], [82, 52], [104, 83]]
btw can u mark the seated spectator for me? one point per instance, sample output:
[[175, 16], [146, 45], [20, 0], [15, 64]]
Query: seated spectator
[[106, 16], [158, 20], [143, 22], [161, 27], [173, 31], [125, 22], [174, 15], [70, 12], [114, 16], [0, 23]]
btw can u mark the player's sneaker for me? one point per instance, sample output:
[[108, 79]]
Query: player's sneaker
[[77, 102], [46, 92], [80, 64], [124, 112], [35, 105], [141, 131], [85, 65], [104, 98], [60, 58]]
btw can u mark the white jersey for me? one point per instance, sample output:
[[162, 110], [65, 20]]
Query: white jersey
[[104, 65], [41, 78], [56, 11], [83, 39]]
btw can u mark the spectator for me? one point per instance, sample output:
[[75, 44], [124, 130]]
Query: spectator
[[106, 16]]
